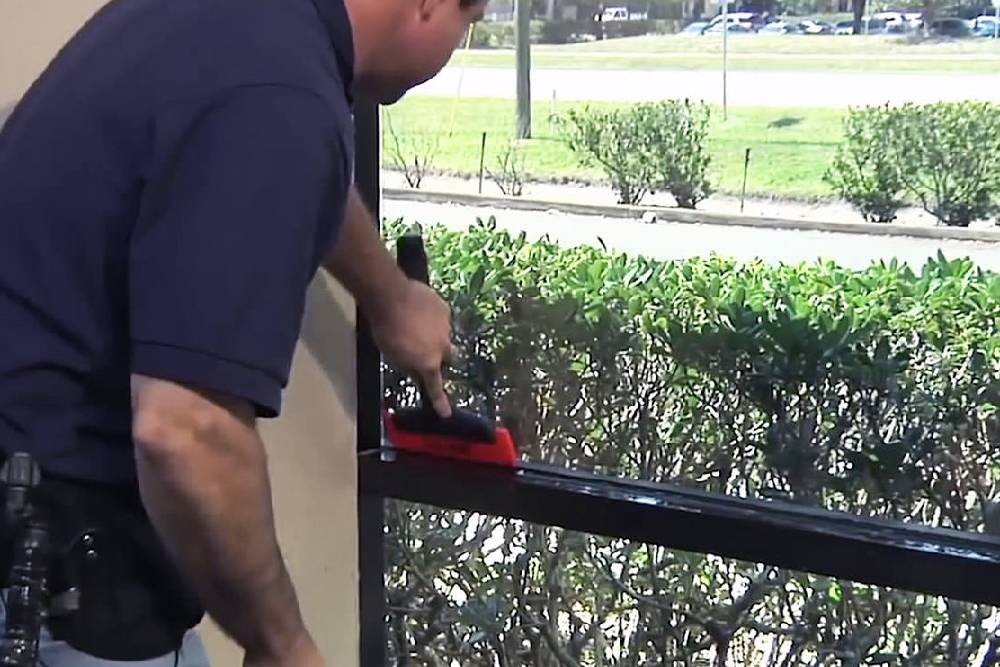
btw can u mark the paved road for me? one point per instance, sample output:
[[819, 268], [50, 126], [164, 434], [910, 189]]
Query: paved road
[[745, 88], [680, 241]]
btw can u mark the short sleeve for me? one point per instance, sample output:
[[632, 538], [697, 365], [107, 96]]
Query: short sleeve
[[242, 197]]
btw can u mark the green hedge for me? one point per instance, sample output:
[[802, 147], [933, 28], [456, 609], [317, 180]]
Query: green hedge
[[500, 34], [945, 157], [874, 392], [634, 28], [827, 380]]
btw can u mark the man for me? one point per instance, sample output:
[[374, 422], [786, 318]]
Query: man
[[168, 188]]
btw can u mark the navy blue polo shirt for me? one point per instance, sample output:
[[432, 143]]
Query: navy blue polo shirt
[[168, 188]]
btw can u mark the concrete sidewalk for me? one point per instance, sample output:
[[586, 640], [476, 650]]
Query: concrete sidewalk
[[671, 240]]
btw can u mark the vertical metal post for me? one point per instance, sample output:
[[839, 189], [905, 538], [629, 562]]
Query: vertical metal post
[[725, 59], [522, 39], [552, 113], [371, 508]]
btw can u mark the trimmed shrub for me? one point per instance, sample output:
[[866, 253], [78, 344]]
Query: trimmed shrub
[[678, 149], [509, 172], [500, 34], [874, 392], [492, 35], [949, 154], [558, 32], [865, 170], [412, 153], [818, 351], [615, 141], [645, 148], [631, 28], [944, 156]]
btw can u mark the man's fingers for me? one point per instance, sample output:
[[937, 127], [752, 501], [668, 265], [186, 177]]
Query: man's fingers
[[434, 385]]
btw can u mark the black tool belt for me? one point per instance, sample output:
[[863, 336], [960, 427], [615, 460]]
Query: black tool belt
[[133, 603]]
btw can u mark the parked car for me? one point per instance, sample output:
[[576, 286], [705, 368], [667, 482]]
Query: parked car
[[874, 26], [985, 30], [843, 28], [740, 28], [751, 20], [814, 27], [781, 28], [696, 28], [899, 22], [951, 27], [985, 26], [869, 26], [615, 14]]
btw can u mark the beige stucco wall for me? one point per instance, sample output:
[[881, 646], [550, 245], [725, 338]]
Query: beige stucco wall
[[313, 473], [311, 446]]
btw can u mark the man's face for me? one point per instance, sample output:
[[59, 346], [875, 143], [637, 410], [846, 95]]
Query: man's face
[[425, 40]]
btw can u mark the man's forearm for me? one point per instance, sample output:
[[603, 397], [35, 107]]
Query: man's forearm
[[203, 478], [361, 262], [410, 322]]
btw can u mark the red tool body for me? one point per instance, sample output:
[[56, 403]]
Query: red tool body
[[500, 450], [465, 435]]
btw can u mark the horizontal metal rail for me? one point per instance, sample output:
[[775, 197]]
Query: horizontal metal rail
[[955, 564]]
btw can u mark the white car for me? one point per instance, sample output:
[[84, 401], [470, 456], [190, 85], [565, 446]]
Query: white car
[[897, 22], [869, 26], [986, 21], [744, 19], [615, 14], [814, 27], [781, 28]]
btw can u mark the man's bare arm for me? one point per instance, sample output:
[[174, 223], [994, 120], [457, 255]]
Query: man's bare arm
[[360, 261], [203, 477], [410, 322]]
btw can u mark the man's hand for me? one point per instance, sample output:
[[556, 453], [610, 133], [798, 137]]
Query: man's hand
[[410, 322], [414, 332]]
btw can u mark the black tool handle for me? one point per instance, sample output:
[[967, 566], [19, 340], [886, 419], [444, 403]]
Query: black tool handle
[[411, 256], [463, 424]]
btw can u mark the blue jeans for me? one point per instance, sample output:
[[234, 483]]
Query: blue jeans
[[54, 653]]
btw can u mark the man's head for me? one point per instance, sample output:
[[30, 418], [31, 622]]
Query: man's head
[[399, 44]]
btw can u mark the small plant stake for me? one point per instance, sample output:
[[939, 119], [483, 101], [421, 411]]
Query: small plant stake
[[482, 161], [746, 170]]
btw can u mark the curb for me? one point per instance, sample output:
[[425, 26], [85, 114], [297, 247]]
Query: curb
[[674, 215]]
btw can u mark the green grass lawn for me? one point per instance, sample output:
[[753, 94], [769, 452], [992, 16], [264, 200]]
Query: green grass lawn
[[759, 52], [790, 148]]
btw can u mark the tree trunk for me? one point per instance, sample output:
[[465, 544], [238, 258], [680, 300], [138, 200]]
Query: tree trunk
[[930, 13], [522, 38], [859, 16], [722, 651]]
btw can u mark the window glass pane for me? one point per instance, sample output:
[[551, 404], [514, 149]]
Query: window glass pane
[[467, 589], [803, 305]]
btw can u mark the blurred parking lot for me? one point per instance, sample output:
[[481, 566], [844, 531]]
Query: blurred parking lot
[[745, 88]]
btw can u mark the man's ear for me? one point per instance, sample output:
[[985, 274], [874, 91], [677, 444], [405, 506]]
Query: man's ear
[[429, 8]]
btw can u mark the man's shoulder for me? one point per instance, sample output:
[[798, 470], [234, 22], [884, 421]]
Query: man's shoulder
[[190, 48]]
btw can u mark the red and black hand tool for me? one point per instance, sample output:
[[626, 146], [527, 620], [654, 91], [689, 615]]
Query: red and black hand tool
[[465, 435]]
